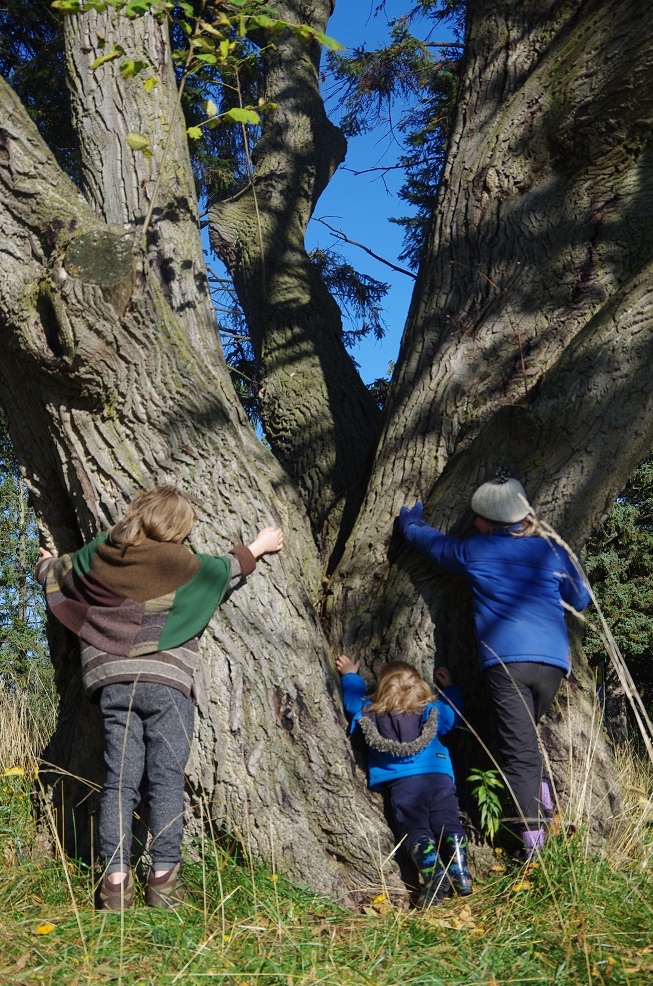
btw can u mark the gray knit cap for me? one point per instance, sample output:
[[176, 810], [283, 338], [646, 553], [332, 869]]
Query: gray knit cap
[[502, 500]]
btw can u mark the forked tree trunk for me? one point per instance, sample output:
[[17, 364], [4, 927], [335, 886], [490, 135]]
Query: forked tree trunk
[[108, 390], [319, 418], [527, 345], [529, 339]]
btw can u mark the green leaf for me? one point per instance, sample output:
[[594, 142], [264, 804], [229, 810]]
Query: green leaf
[[242, 115], [261, 20], [210, 108], [79, 6], [138, 142], [136, 8], [194, 133], [105, 58], [130, 69], [150, 83], [209, 59], [328, 42]]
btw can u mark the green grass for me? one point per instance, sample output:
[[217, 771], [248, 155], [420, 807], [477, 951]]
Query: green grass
[[571, 919]]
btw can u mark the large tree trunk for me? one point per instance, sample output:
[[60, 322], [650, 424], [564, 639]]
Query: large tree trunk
[[527, 344], [318, 416], [108, 390], [529, 339]]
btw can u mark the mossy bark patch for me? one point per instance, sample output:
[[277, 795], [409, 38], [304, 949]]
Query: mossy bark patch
[[100, 257]]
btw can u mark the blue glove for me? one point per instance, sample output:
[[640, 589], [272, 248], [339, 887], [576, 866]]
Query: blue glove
[[408, 516]]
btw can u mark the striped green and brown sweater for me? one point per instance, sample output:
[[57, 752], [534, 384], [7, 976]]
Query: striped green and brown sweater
[[139, 611]]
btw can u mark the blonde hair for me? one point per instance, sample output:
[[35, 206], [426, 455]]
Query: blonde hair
[[528, 527], [164, 513], [400, 689]]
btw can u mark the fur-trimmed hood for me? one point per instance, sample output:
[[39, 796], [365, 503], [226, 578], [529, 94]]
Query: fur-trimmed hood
[[396, 748]]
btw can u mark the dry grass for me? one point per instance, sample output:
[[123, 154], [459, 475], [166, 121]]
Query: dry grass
[[28, 716]]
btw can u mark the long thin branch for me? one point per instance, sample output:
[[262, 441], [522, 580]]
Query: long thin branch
[[345, 239]]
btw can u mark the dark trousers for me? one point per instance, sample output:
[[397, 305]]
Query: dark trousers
[[147, 729], [424, 806], [520, 693]]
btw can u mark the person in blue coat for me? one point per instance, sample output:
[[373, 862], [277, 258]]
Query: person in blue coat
[[401, 724], [520, 581]]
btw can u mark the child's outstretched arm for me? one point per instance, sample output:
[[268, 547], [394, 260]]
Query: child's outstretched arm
[[267, 541], [354, 690], [451, 702], [44, 555]]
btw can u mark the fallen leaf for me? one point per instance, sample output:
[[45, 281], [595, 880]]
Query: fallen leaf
[[14, 772], [522, 885]]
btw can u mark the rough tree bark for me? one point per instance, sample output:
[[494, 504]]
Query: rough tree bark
[[113, 379], [528, 343], [319, 417]]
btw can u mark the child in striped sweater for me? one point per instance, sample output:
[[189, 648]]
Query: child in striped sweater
[[138, 599]]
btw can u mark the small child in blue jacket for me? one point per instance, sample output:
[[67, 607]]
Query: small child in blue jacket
[[401, 724]]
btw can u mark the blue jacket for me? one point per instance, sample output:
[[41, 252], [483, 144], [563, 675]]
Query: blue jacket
[[415, 748], [518, 586]]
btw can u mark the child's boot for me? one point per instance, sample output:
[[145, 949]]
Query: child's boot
[[164, 891], [455, 854], [427, 860], [533, 842], [546, 801], [116, 896]]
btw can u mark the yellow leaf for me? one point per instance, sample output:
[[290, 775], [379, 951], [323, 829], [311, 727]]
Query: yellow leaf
[[149, 84], [44, 929], [522, 885], [211, 108], [14, 772], [380, 899]]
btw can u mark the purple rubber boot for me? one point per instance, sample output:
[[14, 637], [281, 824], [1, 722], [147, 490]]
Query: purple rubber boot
[[533, 842], [545, 797]]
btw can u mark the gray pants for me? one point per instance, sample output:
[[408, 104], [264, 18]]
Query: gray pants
[[147, 730]]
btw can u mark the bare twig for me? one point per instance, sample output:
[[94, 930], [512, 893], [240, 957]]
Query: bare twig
[[345, 239]]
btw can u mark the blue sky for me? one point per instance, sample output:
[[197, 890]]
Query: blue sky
[[362, 205]]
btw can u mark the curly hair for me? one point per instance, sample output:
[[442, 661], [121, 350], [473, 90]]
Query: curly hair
[[400, 689]]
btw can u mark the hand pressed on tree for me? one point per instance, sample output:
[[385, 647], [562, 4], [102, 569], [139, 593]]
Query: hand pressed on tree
[[345, 666], [443, 677], [267, 541]]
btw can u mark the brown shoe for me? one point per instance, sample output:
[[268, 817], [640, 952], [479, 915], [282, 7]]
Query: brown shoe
[[164, 891], [116, 896]]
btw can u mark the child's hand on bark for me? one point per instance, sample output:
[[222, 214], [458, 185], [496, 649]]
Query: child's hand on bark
[[345, 666], [267, 541], [443, 677]]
